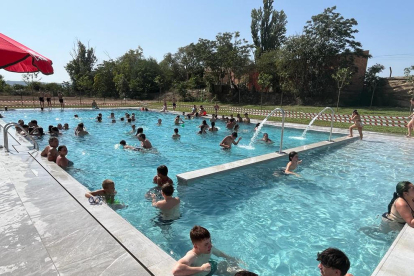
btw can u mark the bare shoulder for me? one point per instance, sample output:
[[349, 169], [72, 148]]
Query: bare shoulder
[[189, 258]]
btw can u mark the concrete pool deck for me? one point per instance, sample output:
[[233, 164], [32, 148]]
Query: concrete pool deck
[[48, 227]]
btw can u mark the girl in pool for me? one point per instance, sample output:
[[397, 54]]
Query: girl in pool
[[400, 209], [293, 163], [266, 138], [357, 124]]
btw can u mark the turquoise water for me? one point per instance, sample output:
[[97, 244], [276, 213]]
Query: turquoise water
[[274, 224]]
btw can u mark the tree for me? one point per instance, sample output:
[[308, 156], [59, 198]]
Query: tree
[[264, 80], [2, 83], [330, 43], [80, 68], [342, 78], [371, 78], [103, 82], [268, 28]]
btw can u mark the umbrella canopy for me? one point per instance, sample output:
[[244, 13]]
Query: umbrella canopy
[[16, 57]]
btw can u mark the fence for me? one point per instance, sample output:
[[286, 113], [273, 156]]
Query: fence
[[389, 121]]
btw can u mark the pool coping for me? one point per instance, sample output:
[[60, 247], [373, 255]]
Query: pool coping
[[395, 262]]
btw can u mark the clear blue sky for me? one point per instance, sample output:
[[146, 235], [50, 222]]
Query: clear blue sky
[[159, 27]]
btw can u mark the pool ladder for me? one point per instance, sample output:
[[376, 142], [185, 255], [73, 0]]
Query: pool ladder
[[6, 137]]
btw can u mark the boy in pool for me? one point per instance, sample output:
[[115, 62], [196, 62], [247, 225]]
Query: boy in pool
[[61, 160], [125, 146], [108, 191], [196, 261], [169, 201], [50, 151], [162, 176], [176, 135], [146, 144], [293, 163], [229, 140]]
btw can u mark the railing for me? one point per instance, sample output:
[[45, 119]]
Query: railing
[[283, 127], [6, 137]]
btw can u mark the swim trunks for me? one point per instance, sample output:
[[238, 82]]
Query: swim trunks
[[48, 99], [61, 100], [41, 99]]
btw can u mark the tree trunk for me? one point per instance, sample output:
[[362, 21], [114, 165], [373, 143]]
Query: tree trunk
[[372, 96], [261, 99], [337, 103]]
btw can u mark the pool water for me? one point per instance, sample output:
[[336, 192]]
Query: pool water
[[274, 224]]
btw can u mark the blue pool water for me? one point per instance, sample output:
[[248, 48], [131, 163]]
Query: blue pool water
[[274, 224]]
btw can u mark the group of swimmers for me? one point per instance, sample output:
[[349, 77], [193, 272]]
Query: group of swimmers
[[56, 153], [34, 130]]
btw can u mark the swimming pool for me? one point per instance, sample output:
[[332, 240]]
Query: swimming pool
[[293, 217]]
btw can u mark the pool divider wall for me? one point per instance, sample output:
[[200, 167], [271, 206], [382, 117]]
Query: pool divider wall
[[185, 178]]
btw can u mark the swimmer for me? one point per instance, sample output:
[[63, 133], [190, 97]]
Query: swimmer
[[213, 127], [266, 138], [196, 261], [132, 129], [99, 119], [59, 126], [176, 135], [108, 191], [229, 140], [231, 123], [50, 151], [159, 122], [246, 118], [112, 115], [293, 163], [332, 262], [54, 131], [113, 121], [162, 176], [203, 127], [66, 126], [169, 201], [178, 121], [239, 118], [61, 160], [139, 130], [81, 130], [76, 116], [357, 124], [125, 146], [146, 144]]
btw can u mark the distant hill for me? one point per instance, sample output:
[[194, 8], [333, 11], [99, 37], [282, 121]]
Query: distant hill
[[16, 82]]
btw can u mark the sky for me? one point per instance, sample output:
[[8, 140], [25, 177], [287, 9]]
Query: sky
[[113, 27]]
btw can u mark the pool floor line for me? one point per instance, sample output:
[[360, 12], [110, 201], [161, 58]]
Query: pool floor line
[[186, 177]]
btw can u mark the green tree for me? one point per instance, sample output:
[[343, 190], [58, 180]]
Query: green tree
[[121, 85], [268, 28], [80, 68], [372, 79], [2, 83], [342, 78], [103, 83], [330, 43], [265, 81]]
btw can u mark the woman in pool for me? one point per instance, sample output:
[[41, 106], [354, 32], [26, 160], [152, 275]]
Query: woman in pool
[[400, 209], [357, 124], [266, 138], [293, 163]]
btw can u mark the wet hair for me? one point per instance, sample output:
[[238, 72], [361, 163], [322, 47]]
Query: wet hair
[[80, 125], [129, 120], [167, 189], [245, 273], [25, 126], [123, 142], [176, 130], [356, 112], [232, 120], [334, 258], [122, 118], [140, 130], [76, 115], [99, 119], [401, 187], [258, 124], [236, 127], [34, 122], [40, 131], [198, 234], [51, 139], [188, 116], [162, 170], [204, 122], [106, 183], [61, 147], [50, 128], [292, 154], [234, 134], [55, 129], [142, 135]]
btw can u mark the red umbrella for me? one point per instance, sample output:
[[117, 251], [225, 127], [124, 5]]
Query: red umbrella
[[16, 57]]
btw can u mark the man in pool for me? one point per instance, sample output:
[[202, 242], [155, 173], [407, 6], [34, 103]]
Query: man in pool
[[176, 135], [293, 163], [162, 176], [246, 118], [145, 143], [229, 140], [196, 261], [333, 262]]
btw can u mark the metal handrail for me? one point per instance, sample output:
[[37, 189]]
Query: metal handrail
[[6, 138], [283, 127], [332, 118]]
